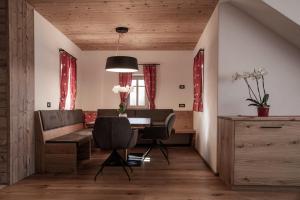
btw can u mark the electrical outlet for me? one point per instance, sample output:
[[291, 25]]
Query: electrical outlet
[[48, 104], [181, 105]]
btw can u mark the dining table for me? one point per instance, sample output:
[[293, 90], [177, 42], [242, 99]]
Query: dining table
[[135, 122]]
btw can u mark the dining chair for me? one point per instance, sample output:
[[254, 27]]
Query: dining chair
[[114, 133], [159, 133]]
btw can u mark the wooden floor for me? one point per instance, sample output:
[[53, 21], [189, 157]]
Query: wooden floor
[[186, 178]]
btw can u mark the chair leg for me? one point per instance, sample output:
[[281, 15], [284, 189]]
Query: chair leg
[[124, 168], [114, 157], [123, 162], [105, 163], [99, 171], [162, 147], [147, 152]]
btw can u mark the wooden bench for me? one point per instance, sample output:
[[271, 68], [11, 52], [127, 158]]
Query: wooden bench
[[60, 149], [184, 125]]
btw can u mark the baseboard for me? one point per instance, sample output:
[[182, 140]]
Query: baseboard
[[206, 163]]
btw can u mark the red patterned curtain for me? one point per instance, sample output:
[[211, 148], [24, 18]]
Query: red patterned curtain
[[198, 81], [73, 82], [67, 73], [150, 83], [124, 79], [64, 78]]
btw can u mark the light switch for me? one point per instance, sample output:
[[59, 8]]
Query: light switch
[[182, 87]]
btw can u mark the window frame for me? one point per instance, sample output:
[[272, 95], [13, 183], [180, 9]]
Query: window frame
[[138, 77]]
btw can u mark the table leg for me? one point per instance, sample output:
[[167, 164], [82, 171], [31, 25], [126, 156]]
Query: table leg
[[126, 154]]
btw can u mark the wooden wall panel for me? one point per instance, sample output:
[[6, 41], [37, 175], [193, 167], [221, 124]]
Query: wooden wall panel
[[4, 94], [21, 74], [16, 91]]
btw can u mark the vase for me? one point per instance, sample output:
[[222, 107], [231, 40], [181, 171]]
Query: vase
[[263, 111], [122, 114]]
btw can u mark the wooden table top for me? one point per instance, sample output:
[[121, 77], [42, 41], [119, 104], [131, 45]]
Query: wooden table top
[[135, 122]]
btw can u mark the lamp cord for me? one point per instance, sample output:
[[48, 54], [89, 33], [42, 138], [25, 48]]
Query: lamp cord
[[120, 35]]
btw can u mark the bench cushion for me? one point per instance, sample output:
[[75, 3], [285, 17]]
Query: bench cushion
[[71, 138], [51, 119], [85, 132]]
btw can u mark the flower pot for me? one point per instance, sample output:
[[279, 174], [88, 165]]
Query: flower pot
[[263, 111], [122, 114]]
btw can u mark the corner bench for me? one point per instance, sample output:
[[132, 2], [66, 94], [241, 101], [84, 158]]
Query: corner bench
[[61, 141]]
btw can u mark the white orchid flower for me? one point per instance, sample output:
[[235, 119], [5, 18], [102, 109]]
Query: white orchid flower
[[246, 75], [117, 89], [236, 76]]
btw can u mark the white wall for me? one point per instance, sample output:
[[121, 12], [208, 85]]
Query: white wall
[[95, 88], [48, 40], [289, 8], [235, 42], [205, 122], [244, 44], [94, 84]]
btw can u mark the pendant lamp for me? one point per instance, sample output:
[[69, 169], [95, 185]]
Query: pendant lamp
[[121, 63]]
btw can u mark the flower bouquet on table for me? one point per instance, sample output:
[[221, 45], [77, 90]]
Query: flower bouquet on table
[[258, 98], [123, 105]]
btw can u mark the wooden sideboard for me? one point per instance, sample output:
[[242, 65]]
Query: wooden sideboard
[[254, 152]]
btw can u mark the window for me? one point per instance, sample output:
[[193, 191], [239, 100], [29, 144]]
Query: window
[[137, 97]]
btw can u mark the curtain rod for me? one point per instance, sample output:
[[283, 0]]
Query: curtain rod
[[60, 49], [150, 64]]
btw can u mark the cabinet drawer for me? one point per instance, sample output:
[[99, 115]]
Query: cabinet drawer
[[267, 153]]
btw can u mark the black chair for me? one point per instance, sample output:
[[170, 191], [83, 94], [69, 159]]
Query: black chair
[[159, 133], [114, 133]]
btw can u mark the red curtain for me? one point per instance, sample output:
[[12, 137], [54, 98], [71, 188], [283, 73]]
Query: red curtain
[[64, 78], [68, 71], [124, 79], [150, 83], [73, 82], [198, 81]]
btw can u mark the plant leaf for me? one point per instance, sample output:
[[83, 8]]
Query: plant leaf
[[265, 99], [253, 104], [254, 101]]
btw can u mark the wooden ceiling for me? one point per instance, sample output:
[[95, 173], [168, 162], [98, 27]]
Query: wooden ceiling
[[153, 24]]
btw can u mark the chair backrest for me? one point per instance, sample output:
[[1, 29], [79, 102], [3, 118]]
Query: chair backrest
[[169, 123], [112, 132]]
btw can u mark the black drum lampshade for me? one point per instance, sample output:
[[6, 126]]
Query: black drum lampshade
[[121, 64]]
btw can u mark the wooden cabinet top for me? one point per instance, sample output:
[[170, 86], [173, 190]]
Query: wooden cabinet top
[[255, 118]]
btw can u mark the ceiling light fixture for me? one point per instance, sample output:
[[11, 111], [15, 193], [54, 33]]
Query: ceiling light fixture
[[121, 63]]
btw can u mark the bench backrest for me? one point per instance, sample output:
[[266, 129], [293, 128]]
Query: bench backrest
[[184, 120], [55, 123], [157, 115]]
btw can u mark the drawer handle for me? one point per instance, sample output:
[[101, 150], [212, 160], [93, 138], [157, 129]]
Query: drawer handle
[[271, 127]]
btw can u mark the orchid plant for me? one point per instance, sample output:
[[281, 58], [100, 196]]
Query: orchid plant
[[260, 97], [120, 89]]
